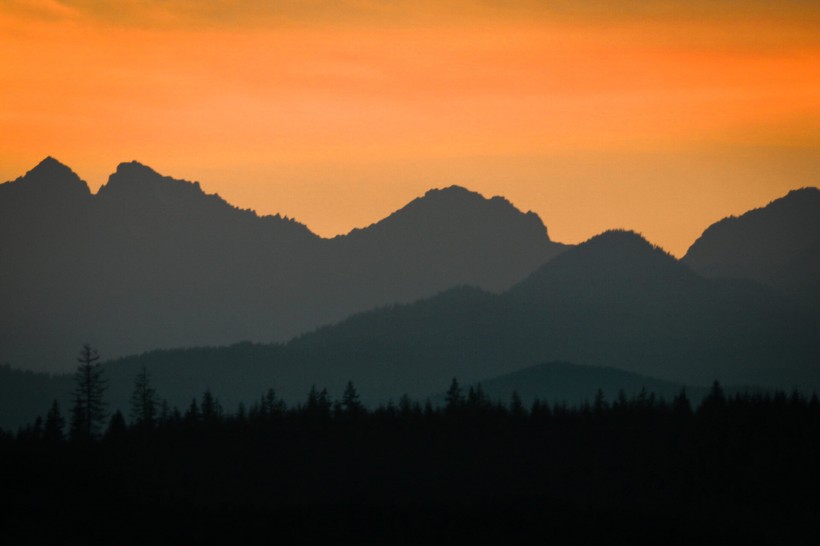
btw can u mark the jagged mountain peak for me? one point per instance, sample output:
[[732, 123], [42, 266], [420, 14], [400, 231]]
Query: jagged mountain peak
[[453, 192], [135, 168], [52, 172], [48, 180], [454, 197], [136, 182], [456, 209], [134, 174], [49, 165]]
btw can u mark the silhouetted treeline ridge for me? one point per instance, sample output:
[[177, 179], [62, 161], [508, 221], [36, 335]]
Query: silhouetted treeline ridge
[[733, 468], [178, 376], [153, 262]]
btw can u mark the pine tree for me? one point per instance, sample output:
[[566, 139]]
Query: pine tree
[[454, 399], [406, 406], [241, 413], [715, 401], [477, 400], [211, 408], [117, 429], [53, 431], [600, 405], [318, 403], [164, 413], [88, 414], [193, 416], [350, 400], [270, 405], [144, 401], [681, 405], [516, 406]]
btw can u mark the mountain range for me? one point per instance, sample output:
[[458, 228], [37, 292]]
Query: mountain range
[[153, 262], [632, 314], [452, 285]]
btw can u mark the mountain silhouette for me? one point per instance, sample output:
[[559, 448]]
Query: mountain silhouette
[[615, 301], [151, 262], [452, 230], [778, 245], [47, 184]]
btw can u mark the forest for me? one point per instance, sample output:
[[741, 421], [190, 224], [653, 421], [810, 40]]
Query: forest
[[739, 467]]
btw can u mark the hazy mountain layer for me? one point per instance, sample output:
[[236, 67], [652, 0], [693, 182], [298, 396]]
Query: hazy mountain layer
[[778, 245], [153, 262], [614, 301]]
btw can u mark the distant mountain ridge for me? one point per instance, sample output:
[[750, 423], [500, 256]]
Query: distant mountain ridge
[[625, 312], [614, 300], [777, 245], [152, 261]]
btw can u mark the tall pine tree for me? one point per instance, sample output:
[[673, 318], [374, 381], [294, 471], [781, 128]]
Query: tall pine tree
[[88, 413], [144, 401], [53, 430]]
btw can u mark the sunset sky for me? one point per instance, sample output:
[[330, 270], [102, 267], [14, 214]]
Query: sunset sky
[[659, 116]]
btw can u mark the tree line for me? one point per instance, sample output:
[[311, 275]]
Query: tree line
[[89, 419], [729, 469]]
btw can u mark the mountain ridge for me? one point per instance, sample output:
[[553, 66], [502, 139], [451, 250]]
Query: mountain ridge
[[735, 331], [53, 184], [174, 266], [614, 301], [777, 245]]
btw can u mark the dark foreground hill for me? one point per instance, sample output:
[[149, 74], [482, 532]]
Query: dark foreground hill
[[730, 470], [778, 245], [615, 302], [154, 262]]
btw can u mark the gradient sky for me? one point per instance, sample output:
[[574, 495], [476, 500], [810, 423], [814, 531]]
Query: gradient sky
[[657, 116]]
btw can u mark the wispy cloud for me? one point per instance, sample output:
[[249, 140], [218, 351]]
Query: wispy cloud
[[186, 13]]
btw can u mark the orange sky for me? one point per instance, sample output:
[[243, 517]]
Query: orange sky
[[661, 119]]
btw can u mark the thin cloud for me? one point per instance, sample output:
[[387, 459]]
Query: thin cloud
[[253, 13]]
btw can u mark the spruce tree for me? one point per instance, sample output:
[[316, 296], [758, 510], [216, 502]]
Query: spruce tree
[[318, 404], [516, 406], [350, 400], [53, 430], [144, 401], [454, 398], [211, 408], [88, 413]]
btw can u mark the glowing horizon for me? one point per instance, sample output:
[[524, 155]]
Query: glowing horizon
[[660, 119]]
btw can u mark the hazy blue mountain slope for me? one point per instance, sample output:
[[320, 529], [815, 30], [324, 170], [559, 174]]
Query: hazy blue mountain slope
[[616, 300]]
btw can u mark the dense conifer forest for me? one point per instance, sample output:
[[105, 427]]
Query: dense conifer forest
[[740, 468]]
